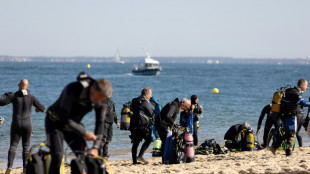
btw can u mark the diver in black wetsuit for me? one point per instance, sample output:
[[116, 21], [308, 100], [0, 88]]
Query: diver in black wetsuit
[[108, 127], [63, 118], [21, 125], [167, 118], [268, 124], [139, 130]]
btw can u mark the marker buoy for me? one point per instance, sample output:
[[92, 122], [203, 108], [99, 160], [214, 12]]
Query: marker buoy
[[88, 66], [215, 90]]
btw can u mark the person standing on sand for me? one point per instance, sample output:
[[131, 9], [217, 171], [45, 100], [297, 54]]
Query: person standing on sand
[[108, 126], [21, 126], [291, 105], [197, 110], [268, 124], [167, 118], [141, 129]]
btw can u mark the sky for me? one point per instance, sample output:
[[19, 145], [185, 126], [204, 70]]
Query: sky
[[221, 28]]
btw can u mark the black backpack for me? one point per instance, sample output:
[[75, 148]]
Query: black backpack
[[39, 162], [140, 118], [289, 101], [84, 164]]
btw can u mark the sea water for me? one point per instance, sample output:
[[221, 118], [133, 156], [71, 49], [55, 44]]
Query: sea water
[[244, 89]]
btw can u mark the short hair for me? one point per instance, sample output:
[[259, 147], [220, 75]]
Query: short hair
[[246, 125], [186, 101], [301, 81], [104, 86], [145, 91]]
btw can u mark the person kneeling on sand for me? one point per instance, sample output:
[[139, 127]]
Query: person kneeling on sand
[[235, 135]]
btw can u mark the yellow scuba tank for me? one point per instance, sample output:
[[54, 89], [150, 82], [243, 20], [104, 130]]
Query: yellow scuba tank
[[276, 102], [125, 116], [250, 141]]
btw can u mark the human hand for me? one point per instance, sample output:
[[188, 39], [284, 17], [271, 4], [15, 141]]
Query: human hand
[[37, 110], [89, 136], [118, 125], [200, 107], [258, 132], [93, 153]]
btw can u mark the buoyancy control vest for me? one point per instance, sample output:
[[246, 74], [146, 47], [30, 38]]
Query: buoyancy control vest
[[289, 103]]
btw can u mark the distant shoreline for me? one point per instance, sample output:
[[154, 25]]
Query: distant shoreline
[[162, 59]]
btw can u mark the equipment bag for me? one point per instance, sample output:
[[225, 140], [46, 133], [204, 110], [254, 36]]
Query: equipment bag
[[141, 119], [39, 162], [179, 147], [87, 165], [289, 101], [169, 155]]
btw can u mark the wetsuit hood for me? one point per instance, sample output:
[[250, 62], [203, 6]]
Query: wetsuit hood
[[193, 99]]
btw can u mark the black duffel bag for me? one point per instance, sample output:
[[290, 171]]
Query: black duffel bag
[[85, 164]]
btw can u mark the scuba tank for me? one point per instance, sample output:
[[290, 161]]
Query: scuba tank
[[125, 116], [276, 101], [156, 147], [250, 141], [190, 151]]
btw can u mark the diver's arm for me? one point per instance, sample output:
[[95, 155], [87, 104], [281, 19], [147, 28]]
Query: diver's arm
[[37, 104], [261, 117], [114, 113], [170, 115], [303, 102], [6, 99]]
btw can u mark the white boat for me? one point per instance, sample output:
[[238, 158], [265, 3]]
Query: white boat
[[117, 58], [147, 66]]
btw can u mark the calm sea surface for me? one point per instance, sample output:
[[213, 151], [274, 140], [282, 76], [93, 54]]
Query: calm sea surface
[[244, 91]]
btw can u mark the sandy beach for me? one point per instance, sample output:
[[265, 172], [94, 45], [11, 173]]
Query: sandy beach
[[243, 162]]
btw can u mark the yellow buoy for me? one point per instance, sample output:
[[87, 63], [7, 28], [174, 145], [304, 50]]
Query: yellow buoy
[[88, 66], [215, 90]]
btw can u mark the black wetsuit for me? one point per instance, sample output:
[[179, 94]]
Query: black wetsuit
[[108, 127], [300, 121], [21, 125], [196, 111], [183, 117], [268, 124], [232, 133], [139, 132], [166, 119], [63, 118], [291, 111]]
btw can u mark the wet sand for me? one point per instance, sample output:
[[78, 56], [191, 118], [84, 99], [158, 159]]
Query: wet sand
[[262, 161]]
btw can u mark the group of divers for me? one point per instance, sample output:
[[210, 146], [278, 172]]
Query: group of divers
[[62, 122]]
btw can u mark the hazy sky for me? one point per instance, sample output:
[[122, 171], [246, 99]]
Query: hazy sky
[[236, 28]]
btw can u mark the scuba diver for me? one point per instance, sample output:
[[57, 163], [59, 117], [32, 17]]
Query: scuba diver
[[167, 118], [268, 124], [62, 121], [155, 103], [235, 136], [108, 126], [140, 124], [196, 110], [21, 126], [291, 104]]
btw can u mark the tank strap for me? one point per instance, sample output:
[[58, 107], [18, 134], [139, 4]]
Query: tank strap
[[53, 116]]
